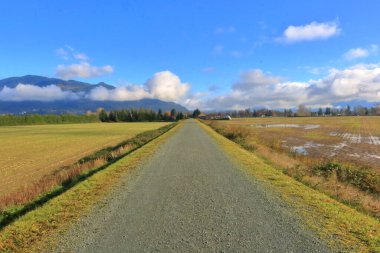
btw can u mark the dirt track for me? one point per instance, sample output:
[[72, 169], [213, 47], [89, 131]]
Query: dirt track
[[190, 198]]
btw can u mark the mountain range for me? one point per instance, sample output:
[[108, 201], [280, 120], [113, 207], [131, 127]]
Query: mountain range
[[41, 81], [78, 106]]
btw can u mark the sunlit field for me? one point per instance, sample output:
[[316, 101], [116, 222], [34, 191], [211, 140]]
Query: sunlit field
[[27, 153], [347, 139], [339, 156]]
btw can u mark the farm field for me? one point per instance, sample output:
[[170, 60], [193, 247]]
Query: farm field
[[339, 156], [345, 139], [27, 153]]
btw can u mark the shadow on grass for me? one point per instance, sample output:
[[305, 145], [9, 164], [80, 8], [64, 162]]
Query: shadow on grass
[[8, 217]]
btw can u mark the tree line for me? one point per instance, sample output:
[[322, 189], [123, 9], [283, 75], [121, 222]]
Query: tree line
[[38, 119], [139, 115], [132, 115], [302, 111]]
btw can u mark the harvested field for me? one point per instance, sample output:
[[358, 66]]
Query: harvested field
[[339, 156], [345, 139], [27, 153]]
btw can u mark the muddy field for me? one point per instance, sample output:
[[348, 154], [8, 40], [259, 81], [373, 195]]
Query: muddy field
[[345, 139]]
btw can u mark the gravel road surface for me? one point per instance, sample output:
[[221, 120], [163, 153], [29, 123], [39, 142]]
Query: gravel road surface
[[190, 197]]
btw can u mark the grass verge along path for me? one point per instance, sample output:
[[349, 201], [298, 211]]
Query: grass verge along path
[[337, 223], [37, 229]]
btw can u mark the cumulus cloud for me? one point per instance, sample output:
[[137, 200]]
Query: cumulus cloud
[[163, 85], [310, 32], [26, 92], [83, 69], [167, 86], [356, 53], [255, 88], [252, 79], [357, 82], [130, 92]]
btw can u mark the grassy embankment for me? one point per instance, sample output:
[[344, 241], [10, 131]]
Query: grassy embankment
[[337, 223], [39, 228], [330, 165]]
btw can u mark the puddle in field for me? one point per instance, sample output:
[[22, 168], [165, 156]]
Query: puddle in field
[[303, 149], [357, 138], [306, 127], [299, 150]]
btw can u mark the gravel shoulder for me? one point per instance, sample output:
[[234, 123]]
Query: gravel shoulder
[[190, 197]]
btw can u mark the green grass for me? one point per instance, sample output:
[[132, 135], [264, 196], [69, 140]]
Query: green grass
[[338, 224], [39, 229], [27, 153]]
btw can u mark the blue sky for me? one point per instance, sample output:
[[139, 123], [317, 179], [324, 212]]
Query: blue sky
[[225, 54]]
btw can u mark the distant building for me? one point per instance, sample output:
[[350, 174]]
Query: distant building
[[202, 116]]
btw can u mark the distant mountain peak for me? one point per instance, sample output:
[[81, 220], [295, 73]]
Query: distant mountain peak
[[76, 106], [42, 81]]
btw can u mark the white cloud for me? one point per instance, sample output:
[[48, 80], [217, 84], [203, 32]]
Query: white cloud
[[310, 32], [63, 53], [130, 92], [163, 85], [358, 82], [167, 86], [26, 92], [81, 57], [67, 52], [80, 69], [357, 53], [83, 69], [255, 88], [253, 78]]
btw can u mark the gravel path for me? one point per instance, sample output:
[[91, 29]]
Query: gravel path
[[190, 198]]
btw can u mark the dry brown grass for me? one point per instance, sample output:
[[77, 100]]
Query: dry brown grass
[[39, 230], [34, 195], [30, 153], [346, 229], [267, 143], [361, 154]]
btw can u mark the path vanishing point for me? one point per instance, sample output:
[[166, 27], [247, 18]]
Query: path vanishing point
[[190, 197]]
